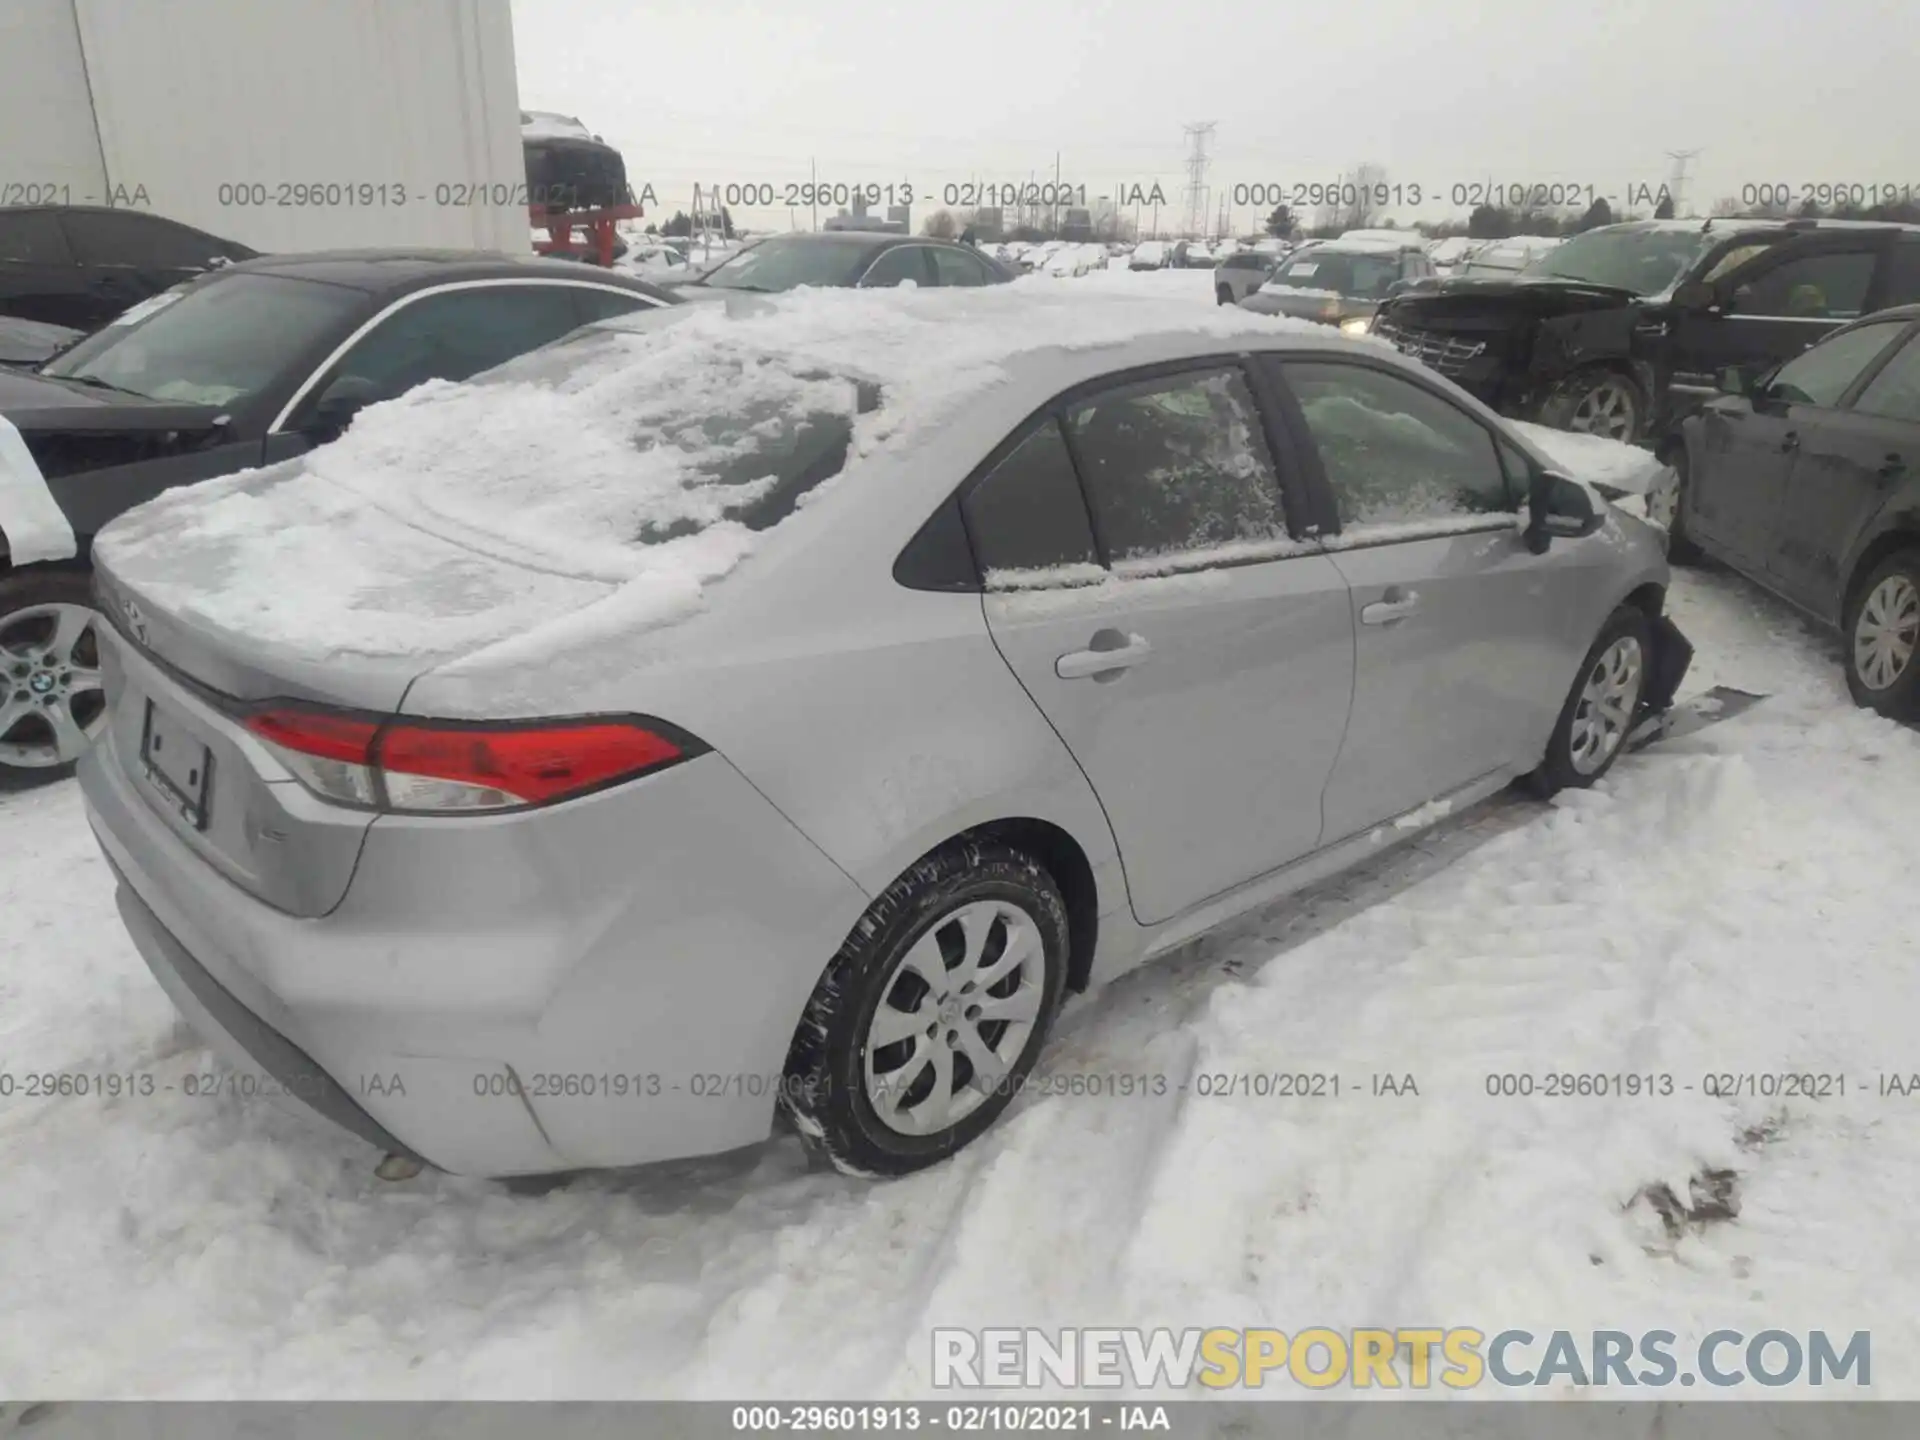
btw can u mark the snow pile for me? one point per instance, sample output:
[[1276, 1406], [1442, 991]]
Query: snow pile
[[1593, 458], [605, 469]]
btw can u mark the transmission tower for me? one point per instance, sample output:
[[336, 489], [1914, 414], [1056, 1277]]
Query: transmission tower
[[1197, 162], [1677, 180]]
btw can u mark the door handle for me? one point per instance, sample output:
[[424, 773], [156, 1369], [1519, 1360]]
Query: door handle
[[1892, 467], [1397, 605], [1110, 654], [1790, 440]]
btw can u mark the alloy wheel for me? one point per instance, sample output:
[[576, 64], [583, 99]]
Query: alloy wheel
[[954, 1017], [52, 704], [1885, 632], [1606, 410], [1608, 700]]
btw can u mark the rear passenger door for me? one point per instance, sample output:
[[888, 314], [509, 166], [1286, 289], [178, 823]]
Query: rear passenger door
[[1465, 641], [1193, 654]]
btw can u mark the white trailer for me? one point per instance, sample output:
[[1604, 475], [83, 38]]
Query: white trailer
[[283, 124]]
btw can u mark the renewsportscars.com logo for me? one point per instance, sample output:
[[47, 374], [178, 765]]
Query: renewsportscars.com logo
[[1460, 1358]]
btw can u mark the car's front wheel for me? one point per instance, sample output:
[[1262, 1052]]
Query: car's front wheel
[[928, 1020], [1223, 295], [1601, 708], [1882, 627], [1596, 402], [52, 706], [1667, 508]]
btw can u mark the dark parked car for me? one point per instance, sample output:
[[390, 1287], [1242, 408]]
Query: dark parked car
[[32, 342], [845, 258], [81, 265], [1807, 480], [1340, 282], [254, 364], [1620, 332]]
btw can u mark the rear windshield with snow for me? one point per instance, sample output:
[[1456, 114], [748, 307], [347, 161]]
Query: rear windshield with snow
[[731, 436]]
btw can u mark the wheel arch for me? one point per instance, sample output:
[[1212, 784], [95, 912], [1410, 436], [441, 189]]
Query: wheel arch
[[1903, 534]]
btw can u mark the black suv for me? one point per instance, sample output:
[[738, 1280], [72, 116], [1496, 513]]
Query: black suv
[[81, 265], [1623, 331]]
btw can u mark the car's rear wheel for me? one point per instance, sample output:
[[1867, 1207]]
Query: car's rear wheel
[[1596, 402], [1882, 628], [52, 706], [1601, 708], [928, 1020]]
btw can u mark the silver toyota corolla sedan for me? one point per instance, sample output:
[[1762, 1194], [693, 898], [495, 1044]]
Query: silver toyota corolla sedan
[[784, 704]]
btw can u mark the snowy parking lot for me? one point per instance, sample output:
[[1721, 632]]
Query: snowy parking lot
[[1737, 902]]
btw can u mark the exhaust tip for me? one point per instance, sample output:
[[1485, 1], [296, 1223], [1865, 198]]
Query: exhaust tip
[[398, 1167]]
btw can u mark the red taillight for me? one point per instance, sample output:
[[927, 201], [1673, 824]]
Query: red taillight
[[437, 768]]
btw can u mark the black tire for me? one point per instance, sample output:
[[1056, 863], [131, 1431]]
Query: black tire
[[1223, 295], [21, 590], [1560, 769], [1899, 700], [825, 1090], [1562, 405], [1680, 549]]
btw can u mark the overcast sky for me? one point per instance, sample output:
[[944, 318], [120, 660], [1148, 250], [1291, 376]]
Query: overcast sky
[[1520, 91]]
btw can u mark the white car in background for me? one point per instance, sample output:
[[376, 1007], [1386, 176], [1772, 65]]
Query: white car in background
[[1452, 251], [1509, 256], [1148, 255]]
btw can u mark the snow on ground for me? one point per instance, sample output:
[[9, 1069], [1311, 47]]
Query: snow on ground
[[1740, 899]]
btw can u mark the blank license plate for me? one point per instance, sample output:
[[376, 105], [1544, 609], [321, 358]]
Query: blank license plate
[[180, 766]]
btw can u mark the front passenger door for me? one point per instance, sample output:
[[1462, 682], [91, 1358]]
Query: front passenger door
[[1193, 655], [1465, 641]]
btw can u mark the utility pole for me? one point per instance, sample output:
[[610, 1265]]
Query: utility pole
[[1056, 192], [813, 190], [1677, 180], [1197, 162]]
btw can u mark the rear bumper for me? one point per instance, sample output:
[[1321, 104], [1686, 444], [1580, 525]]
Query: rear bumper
[[610, 982]]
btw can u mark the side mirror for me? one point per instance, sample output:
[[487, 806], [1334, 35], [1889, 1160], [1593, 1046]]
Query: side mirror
[[1694, 295], [1557, 508], [344, 398]]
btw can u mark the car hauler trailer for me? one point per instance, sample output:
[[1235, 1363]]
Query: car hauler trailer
[[283, 124]]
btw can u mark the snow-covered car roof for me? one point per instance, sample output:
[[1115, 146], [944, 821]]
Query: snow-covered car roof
[[550, 125]]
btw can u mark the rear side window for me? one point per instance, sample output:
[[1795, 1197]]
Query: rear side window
[[1177, 465], [1026, 515], [1395, 453], [32, 237], [956, 267], [591, 305]]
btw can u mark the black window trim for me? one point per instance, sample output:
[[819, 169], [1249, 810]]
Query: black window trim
[[1326, 503], [928, 280]]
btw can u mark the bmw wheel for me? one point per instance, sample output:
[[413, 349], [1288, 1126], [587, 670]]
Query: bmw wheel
[[1601, 708], [1596, 402], [52, 706], [1882, 628], [926, 1023]]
